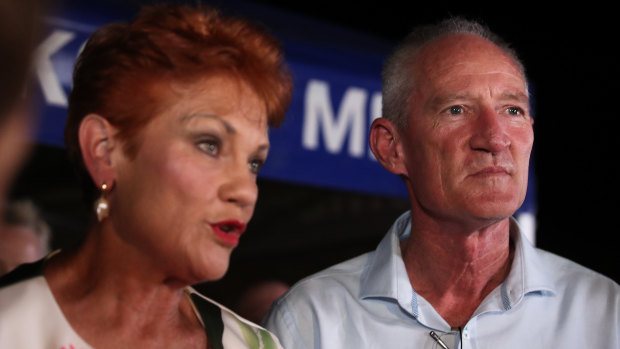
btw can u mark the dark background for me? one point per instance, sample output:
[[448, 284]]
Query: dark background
[[571, 59]]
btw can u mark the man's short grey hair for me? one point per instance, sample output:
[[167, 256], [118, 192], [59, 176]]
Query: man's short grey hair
[[397, 76]]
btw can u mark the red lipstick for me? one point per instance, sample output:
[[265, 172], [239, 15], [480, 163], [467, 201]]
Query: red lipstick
[[228, 231]]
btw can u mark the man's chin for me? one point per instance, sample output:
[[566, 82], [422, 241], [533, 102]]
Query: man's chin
[[493, 213], [493, 207]]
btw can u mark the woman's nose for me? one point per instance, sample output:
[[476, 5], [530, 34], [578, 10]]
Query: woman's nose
[[240, 187]]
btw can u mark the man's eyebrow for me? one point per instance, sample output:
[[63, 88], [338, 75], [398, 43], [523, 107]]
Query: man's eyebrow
[[229, 128], [440, 101], [516, 96]]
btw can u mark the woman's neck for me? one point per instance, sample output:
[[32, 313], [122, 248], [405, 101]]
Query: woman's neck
[[105, 288]]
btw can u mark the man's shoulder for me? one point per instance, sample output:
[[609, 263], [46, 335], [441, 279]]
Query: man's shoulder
[[568, 274], [341, 273], [316, 302], [343, 277]]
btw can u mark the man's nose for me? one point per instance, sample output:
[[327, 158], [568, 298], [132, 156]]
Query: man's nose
[[489, 132]]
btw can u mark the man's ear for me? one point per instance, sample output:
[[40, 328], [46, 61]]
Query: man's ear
[[386, 146], [97, 141]]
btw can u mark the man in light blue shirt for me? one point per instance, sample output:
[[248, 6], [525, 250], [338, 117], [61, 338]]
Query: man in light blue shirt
[[455, 271]]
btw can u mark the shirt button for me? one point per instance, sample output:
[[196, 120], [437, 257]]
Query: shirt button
[[466, 333]]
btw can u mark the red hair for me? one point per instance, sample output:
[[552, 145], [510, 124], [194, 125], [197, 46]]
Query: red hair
[[116, 73]]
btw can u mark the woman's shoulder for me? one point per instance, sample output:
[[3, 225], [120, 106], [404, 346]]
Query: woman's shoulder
[[22, 296], [22, 273], [29, 314], [22, 289], [226, 329]]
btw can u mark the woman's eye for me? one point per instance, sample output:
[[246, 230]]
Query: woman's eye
[[455, 110], [255, 165], [211, 147]]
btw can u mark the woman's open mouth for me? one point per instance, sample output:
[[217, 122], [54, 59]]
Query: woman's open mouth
[[229, 231]]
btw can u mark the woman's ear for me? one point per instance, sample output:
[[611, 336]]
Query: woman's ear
[[97, 142], [386, 146]]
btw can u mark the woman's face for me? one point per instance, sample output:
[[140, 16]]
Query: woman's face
[[184, 200]]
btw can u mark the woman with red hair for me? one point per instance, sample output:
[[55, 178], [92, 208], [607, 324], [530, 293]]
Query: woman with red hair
[[167, 126]]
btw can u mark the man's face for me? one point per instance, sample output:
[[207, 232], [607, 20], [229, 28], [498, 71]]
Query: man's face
[[469, 137]]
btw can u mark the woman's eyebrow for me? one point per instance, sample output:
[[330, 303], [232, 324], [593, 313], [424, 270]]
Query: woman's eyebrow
[[229, 128]]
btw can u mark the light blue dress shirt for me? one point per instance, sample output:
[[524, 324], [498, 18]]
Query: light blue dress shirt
[[368, 302]]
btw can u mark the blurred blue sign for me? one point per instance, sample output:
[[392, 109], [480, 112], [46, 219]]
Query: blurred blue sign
[[323, 141]]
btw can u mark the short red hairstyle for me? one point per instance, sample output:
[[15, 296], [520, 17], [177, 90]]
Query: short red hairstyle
[[114, 75]]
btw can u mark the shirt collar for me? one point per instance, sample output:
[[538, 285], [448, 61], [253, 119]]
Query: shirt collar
[[386, 276], [528, 273]]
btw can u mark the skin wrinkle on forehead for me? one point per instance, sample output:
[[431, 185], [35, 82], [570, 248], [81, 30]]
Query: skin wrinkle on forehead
[[442, 72], [473, 64]]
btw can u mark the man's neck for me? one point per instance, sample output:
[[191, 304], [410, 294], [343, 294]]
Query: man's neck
[[455, 269]]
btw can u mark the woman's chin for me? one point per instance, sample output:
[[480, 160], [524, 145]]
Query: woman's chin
[[209, 272]]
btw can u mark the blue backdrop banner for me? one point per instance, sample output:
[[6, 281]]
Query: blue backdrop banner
[[324, 140]]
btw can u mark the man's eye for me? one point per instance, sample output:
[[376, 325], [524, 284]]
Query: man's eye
[[211, 147], [255, 165], [455, 109], [514, 111]]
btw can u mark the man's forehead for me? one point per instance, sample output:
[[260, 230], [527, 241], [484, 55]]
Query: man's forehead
[[467, 52], [457, 61]]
